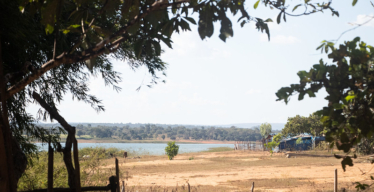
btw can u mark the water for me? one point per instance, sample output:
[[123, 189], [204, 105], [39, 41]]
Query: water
[[147, 148]]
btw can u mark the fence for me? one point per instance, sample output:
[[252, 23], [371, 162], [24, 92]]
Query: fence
[[249, 145], [113, 186]]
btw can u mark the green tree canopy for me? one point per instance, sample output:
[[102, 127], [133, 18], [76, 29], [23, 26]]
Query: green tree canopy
[[49, 48], [265, 129], [349, 83], [303, 125]]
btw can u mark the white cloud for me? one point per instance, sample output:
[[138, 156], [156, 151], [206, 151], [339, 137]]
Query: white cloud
[[253, 91], [280, 39], [363, 19]]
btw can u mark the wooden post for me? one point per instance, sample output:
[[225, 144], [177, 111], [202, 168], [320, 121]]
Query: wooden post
[[117, 175], [253, 186], [50, 168], [189, 188], [112, 183], [77, 168], [336, 181], [123, 186]]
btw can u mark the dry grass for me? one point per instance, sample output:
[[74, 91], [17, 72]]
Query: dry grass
[[216, 171], [236, 170]]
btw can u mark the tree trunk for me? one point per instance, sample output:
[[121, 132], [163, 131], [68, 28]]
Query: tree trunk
[[66, 151], [68, 161], [6, 132]]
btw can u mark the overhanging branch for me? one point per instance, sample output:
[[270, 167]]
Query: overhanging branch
[[53, 112], [99, 49]]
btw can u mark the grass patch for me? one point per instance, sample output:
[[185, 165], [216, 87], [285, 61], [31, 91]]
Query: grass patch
[[219, 149]]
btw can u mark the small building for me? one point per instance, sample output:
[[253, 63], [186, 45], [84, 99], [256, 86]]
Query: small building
[[307, 142]]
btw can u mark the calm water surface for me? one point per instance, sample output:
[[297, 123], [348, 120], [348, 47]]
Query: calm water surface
[[147, 148]]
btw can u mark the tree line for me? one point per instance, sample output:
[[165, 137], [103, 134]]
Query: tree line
[[152, 131]]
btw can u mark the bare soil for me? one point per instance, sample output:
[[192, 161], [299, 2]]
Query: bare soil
[[237, 170]]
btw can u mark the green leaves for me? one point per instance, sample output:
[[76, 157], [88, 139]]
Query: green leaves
[[171, 149], [350, 97], [256, 4], [262, 25], [354, 2], [279, 17], [348, 81], [296, 7], [205, 28], [346, 161], [138, 47], [49, 29], [226, 29], [191, 20]]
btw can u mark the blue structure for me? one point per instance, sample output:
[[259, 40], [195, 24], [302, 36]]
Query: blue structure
[[306, 144]]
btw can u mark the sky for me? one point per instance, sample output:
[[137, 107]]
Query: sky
[[210, 82]]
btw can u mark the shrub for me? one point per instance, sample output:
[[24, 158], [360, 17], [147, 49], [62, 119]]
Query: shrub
[[172, 149]]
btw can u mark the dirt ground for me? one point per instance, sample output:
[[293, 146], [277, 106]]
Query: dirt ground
[[237, 170]]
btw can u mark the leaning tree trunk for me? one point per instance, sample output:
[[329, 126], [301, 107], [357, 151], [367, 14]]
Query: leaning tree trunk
[[66, 151]]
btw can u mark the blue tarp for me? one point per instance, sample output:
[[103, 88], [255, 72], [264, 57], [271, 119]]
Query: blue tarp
[[306, 144]]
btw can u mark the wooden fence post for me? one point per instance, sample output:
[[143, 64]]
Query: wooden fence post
[[253, 186], [50, 167], [189, 188], [123, 186], [117, 175], [336, 181]]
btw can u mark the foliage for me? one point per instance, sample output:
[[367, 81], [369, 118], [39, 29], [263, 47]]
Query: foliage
[[362, 186], [274, 143], [265, 129], [171, 150], [299, 141], [278, 137], [191, 158], [366, 146], [152, 131], [300, 125], [57, 41], [349, 82], [53, 47], [92, 174]]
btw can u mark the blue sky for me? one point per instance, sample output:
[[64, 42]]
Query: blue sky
[[211, 82]]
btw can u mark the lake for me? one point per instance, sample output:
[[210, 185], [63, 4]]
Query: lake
[[147, 148]]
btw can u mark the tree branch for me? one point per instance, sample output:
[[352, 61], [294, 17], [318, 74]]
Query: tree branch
[[53, 112], [99, 49]]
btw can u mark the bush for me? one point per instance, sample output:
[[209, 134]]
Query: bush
[[172, 149]]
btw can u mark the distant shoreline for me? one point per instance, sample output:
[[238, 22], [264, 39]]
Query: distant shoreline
[[150, 141]]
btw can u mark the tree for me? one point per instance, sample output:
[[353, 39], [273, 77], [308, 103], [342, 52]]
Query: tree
[[303, 125], [316, 126], [163, 137], [171, 150], [46, 47], [275, 143], [348, 81], [80, 133], [265, 129]]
